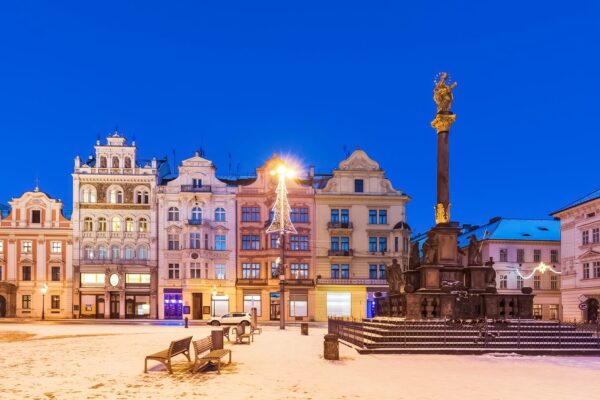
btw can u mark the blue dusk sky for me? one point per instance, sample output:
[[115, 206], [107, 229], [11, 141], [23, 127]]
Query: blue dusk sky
[[312, 79]]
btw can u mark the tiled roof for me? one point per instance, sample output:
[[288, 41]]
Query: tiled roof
[[514, 229], [589, 197]]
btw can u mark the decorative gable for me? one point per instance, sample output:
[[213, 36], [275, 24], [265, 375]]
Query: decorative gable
[[359, 161]]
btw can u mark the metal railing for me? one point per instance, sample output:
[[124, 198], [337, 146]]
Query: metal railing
[[351, 281], [339, 225], [195, 188], [340, 253]]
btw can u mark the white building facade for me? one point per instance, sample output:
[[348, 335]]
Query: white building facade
[[196, 243]]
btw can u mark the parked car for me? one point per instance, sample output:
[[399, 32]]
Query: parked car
[[231, 319]]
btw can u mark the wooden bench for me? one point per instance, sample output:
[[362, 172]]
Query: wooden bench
[[240, 334], [181, 346], [256, 330], [212, 357], [226, 331]]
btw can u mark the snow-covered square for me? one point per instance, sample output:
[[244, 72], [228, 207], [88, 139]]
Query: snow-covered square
[[102, 361]]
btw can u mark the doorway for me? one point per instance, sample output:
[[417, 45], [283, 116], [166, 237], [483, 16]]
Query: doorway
[[2, 307], [173, 305], [197, 305], [592, 310], [274, 306], [114, 306]]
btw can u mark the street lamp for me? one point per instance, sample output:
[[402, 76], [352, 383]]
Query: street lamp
[[281, 224], [44, 290]]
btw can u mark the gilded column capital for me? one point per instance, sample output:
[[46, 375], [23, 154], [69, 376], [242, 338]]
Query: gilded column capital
[[443, 122]]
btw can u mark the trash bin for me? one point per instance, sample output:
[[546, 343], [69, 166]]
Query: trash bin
[[304, 328], [331, 347]]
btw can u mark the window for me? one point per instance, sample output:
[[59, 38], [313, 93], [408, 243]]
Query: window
[[274, 270], [503, 255], [88, 279], [537, 255], [1, 246], [26, 246], [396, 244], [142, 197], [116, 224], [339, 304], [36, 217], [250, 242], [26, 302], [335, 215], [56, 247], [88, 195], [142, 253], [55, 302], [101, 224], [345, 215], [250, 214], [335, 271], [195, 239], [129, 253], [503, 281], [519, 282], [381, 271], [537, 282], [299, 214], [115, 162], [596, 269], [251, 271], [88, 225], [115, 196], [595, 235], [345, 273], [55, 272], [173, 271], [537, 311], [585, 237], [372, 271], [220, 271], [252, 301], [127, 162], [335, 243], [220, 243], [103, 162], [220, 214], [88, 253], [298, 305], [299, 271], [358, 185], [372, 216], [102, 252], [383, 217], [372, 244], [173, 214], [206, 240], [115, 252], [382, 244], [197, 215], [586, 270], [195, 270], [196, 183], [26, 272], [553, 311], [554, 256], [143, 225], [274, 241], [129, 225], [173, 240], [554, 282], [520, 255], [299, 243]]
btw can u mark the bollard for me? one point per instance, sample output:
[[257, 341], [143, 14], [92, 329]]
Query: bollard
[[304, 328], [331, 347], [217, 339], [185, 321]]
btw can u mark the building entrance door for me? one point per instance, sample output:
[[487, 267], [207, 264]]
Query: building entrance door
[[274, 308], [2, 307], [592, 310], [173, 306], [114, 305], [100, 306], [197, 305]]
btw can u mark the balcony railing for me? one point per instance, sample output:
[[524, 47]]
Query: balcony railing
[[195, 188], [351, 281], [300, 282], [252, 282], [339, 225], [340, 253], [124, 261]]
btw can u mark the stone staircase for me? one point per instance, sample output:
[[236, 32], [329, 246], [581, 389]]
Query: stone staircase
[[396, 335]]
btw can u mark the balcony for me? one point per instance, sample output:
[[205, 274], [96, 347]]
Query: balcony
[[196, 189], [339, 225], [112, 261], [300, 282], [252, 282], [340, 253], [352, 281]]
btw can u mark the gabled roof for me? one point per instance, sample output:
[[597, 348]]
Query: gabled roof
[[589, 197], [514, 229]]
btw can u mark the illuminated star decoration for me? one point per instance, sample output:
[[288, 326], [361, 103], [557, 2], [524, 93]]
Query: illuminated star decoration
[[282, 222], [541, 268]]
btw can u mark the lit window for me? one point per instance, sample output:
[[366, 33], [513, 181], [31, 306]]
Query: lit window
[[137, 279], [116, 224], [88, 279], [220, 243], [88, 225], [55, 302], [503, 281], [143, 225], [56, 247], [101, 224], [26, 246], [129, 225], [220, 271]]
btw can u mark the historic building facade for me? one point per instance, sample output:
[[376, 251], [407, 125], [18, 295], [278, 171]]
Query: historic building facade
[[517, 247], [580, 253], [115, 232], [257, 252], [35, 257], [196, 243], [360, 228]]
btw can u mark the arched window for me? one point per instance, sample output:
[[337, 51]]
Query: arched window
[[197, 214], [142, 197], [115, 252], [142, 252], [220, 214], [102, 252], [88, 253], [115, 195], [129, 253], [102, 162], [127, 162], [116, 224], [173, 214], [101, 224], [143, 225], [88, 224], [115, 162], [88, 194], [129, 226]]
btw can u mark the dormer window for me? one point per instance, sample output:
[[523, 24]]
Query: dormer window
[[36, 216]]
